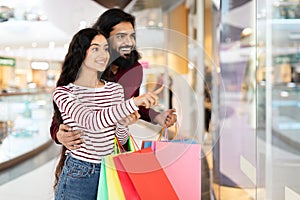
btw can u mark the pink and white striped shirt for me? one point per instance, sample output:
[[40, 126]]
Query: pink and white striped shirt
[[96, 112]]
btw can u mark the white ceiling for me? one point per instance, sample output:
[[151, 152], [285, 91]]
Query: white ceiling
[[65, 18]]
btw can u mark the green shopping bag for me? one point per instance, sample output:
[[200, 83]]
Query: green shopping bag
[[118, 148], [102, 186]]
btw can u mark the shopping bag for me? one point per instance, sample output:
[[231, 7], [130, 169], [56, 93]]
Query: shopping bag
[[130, 145], [110, 187], [151, 143], [147, 176], [127, 185], [114, 187], [182, 164], [162, 136], [181, 160], [102, 186], [146, 144]]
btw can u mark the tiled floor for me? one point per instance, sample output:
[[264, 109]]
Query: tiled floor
[[34, 185], [32, 179]]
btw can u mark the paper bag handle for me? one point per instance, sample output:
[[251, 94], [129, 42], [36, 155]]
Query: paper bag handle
[[163, 134], [118, 147]]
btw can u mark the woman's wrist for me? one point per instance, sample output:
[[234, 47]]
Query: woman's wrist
[[135, 101], [121, 124]]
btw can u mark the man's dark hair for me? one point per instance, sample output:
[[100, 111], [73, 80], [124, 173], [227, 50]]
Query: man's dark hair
[[112, 17]]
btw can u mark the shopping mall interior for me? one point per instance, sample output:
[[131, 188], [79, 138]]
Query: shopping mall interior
[[231, 69]]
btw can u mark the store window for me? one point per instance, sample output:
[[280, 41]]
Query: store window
[[257, 154], [278, 57]]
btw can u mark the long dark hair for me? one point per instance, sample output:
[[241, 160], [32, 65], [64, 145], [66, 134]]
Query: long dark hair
[[79, 45], [106, 22]]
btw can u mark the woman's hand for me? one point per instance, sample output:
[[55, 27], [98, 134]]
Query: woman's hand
[[130, 119], [149, 99]]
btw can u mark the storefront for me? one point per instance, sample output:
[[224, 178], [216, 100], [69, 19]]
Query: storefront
[[256, 114]]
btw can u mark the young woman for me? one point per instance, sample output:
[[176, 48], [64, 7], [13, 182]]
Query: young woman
[[97, 107]]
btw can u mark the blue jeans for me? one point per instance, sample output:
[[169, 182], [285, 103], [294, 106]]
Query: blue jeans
[[78, 180]]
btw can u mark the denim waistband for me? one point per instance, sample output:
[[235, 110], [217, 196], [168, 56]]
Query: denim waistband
[[89, 164]]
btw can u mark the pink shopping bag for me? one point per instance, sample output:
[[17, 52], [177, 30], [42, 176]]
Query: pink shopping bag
[[182, 164]]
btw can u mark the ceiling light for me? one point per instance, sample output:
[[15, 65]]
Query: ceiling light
[[284, 94], [34, 44], [82, 24], [151, 23], [66, 46], [51, 45], [43, 17], [40, 65], [291, 85]]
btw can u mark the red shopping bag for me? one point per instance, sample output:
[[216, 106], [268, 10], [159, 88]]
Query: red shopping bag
[[127, 185], [147, 176]]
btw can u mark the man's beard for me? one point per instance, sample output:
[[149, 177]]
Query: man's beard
[[123, 63], [120, 62]]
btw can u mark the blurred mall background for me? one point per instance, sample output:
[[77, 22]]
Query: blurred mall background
[[236, 59]]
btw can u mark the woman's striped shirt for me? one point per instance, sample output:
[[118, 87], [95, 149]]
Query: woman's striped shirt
[[96, 112]]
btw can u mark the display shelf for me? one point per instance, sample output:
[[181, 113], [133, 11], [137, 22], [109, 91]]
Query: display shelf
[[284, 56], [284, 48], [285, 3], [286, 22], [281, 24], [291, 25], [25, 120]]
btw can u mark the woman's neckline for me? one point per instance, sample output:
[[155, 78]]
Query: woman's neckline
[[97, 86]]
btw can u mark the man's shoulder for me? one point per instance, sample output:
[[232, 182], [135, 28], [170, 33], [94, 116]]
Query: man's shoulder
[[135, 66], [132, 74]]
